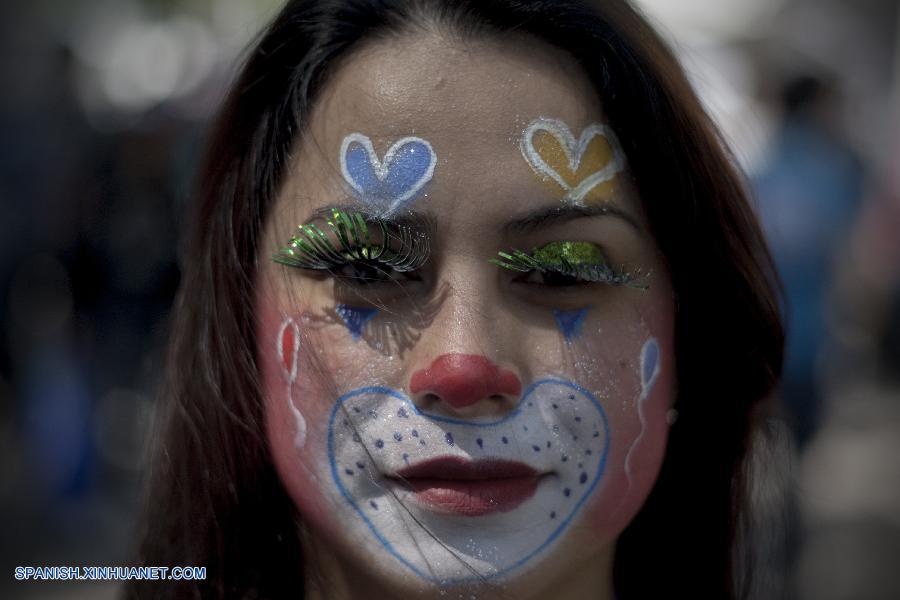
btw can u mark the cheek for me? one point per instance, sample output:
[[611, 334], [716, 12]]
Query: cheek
[[629, 365], [289, 430], [295, 409]]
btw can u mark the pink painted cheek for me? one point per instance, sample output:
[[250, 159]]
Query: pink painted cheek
[[295, 412], [637, 448]]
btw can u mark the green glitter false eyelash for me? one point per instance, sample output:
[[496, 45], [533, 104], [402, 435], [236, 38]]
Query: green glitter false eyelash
[[401, 247], [583, 261]]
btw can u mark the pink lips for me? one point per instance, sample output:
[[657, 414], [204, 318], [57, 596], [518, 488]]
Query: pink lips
[[459, 486]]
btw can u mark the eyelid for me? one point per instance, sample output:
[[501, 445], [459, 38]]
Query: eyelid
[[583, 261], [313, 249]]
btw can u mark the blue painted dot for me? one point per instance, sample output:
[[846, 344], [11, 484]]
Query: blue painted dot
[[480, 442], [574, 438], [582, 478], [548, 443], [553, 515], [555, 405], [536, 448], [504, 440], [359, 465], [571, 397], [379, 444], [530, 404], [421, 442], [588, 452], [348, 471], [449, 438], [373, 504], [566, 492], [578, 419], [356, 409], [565, 458], [397, 436], [414, 433], [525, 427], [406, 458], [596, 434], [402, 412]]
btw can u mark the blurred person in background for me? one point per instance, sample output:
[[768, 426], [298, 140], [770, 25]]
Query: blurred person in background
[[808, 193]]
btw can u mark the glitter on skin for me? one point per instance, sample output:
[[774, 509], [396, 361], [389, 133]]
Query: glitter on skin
[[571, 253]]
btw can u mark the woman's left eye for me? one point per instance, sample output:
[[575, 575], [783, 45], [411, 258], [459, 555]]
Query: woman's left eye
[[550, 279], [564, 264]]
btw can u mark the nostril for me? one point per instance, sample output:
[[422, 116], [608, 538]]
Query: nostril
[[461, 380]]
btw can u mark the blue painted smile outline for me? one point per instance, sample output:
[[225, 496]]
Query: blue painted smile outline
[[468, 438]]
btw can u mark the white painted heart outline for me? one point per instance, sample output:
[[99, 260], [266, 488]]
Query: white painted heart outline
[[382, 168], [574, 151], [370, 427]]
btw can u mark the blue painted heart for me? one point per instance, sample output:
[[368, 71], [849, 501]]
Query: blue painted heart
[[393, 183], [558, 429]]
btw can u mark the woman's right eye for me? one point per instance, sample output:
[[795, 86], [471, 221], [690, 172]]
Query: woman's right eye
[[368, 273]]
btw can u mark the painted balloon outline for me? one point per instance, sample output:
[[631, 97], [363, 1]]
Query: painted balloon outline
[[290, 375]]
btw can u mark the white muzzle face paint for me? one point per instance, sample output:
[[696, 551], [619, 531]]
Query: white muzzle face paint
[[554, 443]]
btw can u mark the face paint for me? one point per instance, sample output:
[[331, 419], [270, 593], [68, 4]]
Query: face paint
[[570, 321], [649, 372], [585, 168], [355, 318], [347, 239], [446, 496], [287, 346], [579, 261], [394, 183]]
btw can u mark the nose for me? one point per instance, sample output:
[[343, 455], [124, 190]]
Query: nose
[[461, 380]]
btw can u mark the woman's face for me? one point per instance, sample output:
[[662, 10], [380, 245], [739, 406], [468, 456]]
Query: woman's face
[[464, 419]]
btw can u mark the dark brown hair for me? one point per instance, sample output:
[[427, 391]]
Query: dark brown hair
[[214, 497]]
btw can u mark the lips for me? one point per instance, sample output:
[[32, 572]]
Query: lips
[[455, 485]]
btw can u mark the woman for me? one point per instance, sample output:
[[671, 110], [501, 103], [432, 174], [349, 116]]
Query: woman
[[475, 304]]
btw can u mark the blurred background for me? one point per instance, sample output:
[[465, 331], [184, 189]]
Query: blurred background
[[102, 119]]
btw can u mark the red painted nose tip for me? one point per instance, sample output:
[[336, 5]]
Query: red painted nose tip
[[461, 380]]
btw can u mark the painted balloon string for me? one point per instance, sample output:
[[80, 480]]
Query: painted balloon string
[[371, 245], [564, 262], [288, 345], [649, 373]]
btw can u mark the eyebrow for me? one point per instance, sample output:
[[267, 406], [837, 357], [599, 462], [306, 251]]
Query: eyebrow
[[559, 215], [419, 221]]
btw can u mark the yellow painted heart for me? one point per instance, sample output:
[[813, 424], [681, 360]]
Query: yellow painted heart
[[585, 168]]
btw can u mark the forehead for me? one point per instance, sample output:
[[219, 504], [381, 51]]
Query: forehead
[[431, 84], [470, 99]]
